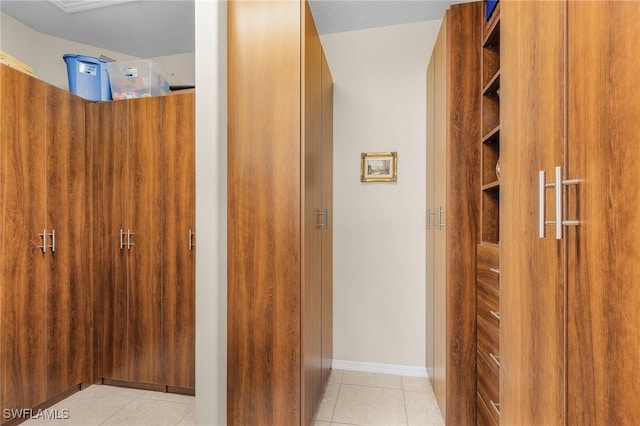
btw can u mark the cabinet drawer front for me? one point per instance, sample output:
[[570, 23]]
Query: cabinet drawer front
[[489, 265], [485, 414], [489, 344], [488, 304], [488, 386]]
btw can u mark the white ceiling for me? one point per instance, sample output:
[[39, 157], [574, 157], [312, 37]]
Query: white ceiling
[[148, 28]]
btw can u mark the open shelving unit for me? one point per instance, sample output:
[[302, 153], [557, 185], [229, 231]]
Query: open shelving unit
[[488, 251]]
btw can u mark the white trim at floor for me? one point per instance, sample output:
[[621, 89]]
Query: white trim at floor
[[373, 367]]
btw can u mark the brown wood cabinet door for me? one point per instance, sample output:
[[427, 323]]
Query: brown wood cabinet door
[[108, 139], [143, 206], [312, 204], [327, 233], [531, 282], [604, 250], [430, 187], [439, 236], [178, 224], [23, 334], [263, 213], [462, 201], [66, 208]]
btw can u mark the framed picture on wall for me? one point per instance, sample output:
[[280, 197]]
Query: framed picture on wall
[[378, 166]]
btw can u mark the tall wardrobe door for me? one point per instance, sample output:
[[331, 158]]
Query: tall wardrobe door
[[531, 139], [108, 139], [178, 223], [604, 250], [144, 350], [312, 248], [23, 273], [67, 266], [264, 233], [327, 233], [439, 197], [108, 136], [430, 186]]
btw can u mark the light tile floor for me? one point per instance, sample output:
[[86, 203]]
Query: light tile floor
[[370, 399], [351, 398], [112, 405]]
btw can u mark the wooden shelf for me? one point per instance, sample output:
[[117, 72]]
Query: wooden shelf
[[492, 37], [492, 136], [492, 87], [489, 244], [491, 186]]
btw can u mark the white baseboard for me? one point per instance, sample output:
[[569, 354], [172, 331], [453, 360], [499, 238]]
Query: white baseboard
[[373, 367]]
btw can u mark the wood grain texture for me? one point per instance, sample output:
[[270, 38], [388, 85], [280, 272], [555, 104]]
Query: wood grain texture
[[66, 208], [462, 207], [144, 279], [107, 129], [485, 416], [603, 256], [264, 213], [531, 286], [327, 234], [178, 259], [312, 199], [23, 273]]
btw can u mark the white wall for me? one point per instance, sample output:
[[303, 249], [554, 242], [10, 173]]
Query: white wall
[[379, 228], [44, 53], [211, 217]]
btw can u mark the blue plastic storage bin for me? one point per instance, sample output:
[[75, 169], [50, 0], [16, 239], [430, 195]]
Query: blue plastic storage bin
[[491, 5], [88, 77]]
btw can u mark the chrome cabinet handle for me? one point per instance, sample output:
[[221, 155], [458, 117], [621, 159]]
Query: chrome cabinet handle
[[496, 406], [495, 314], [53, 241], [558, 222], [495, 359], [191, 243], [44, 241], [496, 270], [429, 214], [324, 221], [440, 222], [121, 239], [129, 243]]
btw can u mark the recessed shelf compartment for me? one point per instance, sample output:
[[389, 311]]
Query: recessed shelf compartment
[[492, 30], [493, 85], [491, 214], [490, 156], [492, 136], [490, 112]]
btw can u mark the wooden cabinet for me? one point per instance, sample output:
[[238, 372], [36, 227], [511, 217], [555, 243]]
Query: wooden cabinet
[[178, 248], [279, 218], [143, 200], [43, 324], [488, 251], [569, 306], [129, 238], [453, 114]]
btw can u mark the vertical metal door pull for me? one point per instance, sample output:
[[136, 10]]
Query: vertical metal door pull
[[557, 185], [121, 239], [191, 235], [429, 214], [129, 243], [440, 222], [324, 221], [53, 241], [44, 241]]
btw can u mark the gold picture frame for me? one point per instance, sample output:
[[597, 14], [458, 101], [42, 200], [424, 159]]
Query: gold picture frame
[[378, 167]]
